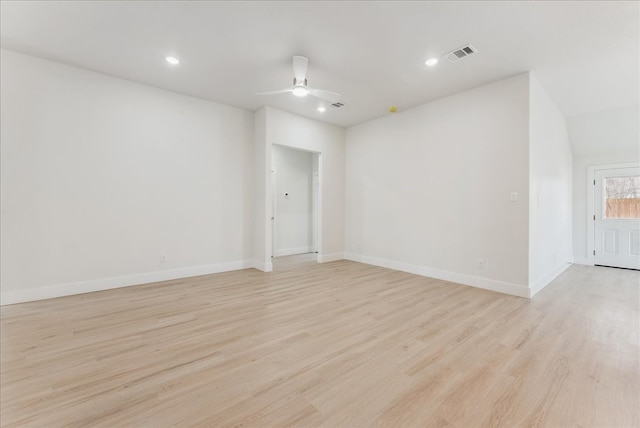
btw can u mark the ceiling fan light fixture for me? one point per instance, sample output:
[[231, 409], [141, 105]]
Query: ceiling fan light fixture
[[300, 91], [300, 88]]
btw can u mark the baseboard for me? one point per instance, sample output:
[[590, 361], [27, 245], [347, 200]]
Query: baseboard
[[582, 261], [546, 279], [60, 290], [262, 266], [325, 258], [291, 251], [473, 281]]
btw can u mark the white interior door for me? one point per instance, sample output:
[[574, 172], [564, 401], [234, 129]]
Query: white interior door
[[617, 217]]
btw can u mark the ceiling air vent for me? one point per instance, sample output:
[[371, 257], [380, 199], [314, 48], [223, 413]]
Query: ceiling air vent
[[458, 54], [337, 104]]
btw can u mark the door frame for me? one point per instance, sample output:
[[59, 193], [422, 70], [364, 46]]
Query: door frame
[[316, 205], [591, 208]]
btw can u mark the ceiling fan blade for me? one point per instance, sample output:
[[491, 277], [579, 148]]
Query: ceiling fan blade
[[329, 96], [300, 64], [281, 91]]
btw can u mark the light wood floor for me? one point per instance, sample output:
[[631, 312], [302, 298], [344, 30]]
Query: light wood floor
[[340, 344]]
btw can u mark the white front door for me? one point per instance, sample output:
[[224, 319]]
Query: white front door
[[617, 217]]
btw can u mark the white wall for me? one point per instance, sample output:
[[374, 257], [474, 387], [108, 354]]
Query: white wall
[[262, 211], [550, 182], [428, 189], [290, 130], [603, 138], [100, 176], [292, 199], [606, 133]]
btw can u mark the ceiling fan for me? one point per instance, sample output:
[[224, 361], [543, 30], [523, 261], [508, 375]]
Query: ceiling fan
[[300, 88]]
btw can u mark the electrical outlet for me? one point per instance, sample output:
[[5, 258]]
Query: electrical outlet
[[163, 258], [480, 264]]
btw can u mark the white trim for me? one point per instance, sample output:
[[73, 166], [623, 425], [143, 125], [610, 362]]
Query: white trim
[[59, 290], [291, 251], [591, 176], [320, 218], [325, 258], [262, 266], [582, 261], [269, 239], [474, 281], [546, 280]]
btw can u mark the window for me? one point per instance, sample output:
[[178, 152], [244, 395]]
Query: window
[[622, 197]]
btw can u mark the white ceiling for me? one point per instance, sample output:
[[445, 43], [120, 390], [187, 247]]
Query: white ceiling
[[585, 53]]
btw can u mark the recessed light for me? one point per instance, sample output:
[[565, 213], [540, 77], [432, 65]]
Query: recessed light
[[431, 62], [322, 109], [172, 60]]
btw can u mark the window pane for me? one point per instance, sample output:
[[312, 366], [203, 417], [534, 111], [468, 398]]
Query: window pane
[[622, 197]]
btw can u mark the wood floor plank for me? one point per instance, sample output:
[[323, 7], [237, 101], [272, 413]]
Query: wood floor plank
[[340, 344]]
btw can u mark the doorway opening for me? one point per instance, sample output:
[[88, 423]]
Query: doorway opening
[[295, 182]]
